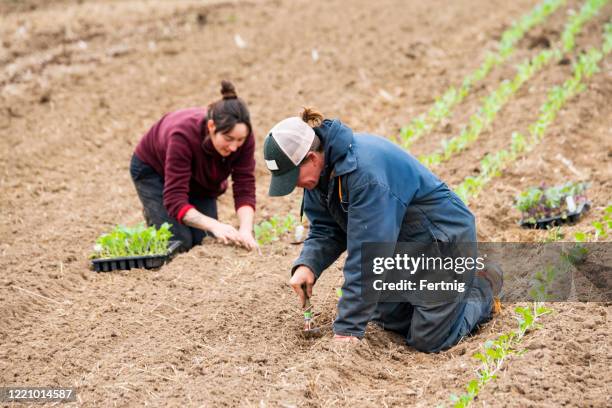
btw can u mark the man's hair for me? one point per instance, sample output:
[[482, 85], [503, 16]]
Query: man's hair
[[314, 119]]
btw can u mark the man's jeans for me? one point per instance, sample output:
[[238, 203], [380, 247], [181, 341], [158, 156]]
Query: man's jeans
[[150, 188], [436, 327]]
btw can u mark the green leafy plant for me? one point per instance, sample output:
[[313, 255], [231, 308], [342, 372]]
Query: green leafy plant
[[495, 352], [554, 234], [272, 229], [588, 10], [133, 241]]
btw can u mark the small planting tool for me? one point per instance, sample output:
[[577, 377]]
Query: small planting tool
[[309, 329]]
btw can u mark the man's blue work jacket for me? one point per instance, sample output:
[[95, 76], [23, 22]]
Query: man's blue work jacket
[[373, 191]]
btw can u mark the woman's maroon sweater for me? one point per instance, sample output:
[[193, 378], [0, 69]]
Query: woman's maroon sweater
[[179, 149]]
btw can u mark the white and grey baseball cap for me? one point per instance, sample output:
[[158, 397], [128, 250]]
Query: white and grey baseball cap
[[285, 147]]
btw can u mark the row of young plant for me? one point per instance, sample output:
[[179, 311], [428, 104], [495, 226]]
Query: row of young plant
[[497, 99], [442, 108], [139, 240], [496, 352], [493, 164]]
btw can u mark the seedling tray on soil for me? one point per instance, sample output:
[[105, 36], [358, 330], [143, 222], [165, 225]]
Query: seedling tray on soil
[[544, 223], [129, 262]]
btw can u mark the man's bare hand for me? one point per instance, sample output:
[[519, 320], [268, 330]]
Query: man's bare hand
[[303, 278]]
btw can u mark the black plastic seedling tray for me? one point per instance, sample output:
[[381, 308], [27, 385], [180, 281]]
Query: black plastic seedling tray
[[129, 262], [545, 223]]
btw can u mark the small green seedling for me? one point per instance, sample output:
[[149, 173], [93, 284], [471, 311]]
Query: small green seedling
[[309, 329]]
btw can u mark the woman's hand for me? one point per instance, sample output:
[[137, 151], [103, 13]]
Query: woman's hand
[[247, 240], [246, 213], [225, 233], [222, 232]]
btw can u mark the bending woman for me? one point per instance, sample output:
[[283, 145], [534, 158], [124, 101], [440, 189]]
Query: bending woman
[[182, 164]]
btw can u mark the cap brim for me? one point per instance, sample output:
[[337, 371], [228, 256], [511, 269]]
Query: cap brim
[[284, 184]]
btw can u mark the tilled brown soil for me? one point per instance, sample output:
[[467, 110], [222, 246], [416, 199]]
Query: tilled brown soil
[[80, 81]]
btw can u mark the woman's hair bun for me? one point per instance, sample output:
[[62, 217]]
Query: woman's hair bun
[[227, 90]]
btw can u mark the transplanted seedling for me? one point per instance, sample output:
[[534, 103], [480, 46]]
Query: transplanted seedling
[[309, 328], [443, 107]]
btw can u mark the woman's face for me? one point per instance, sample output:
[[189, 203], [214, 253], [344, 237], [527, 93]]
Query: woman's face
[[227, 143]]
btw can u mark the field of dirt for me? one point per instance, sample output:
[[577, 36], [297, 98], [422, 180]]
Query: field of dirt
[[81, 81]]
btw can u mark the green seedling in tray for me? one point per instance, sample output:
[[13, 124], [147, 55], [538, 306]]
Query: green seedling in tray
[[539, 203], [125, 241]]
